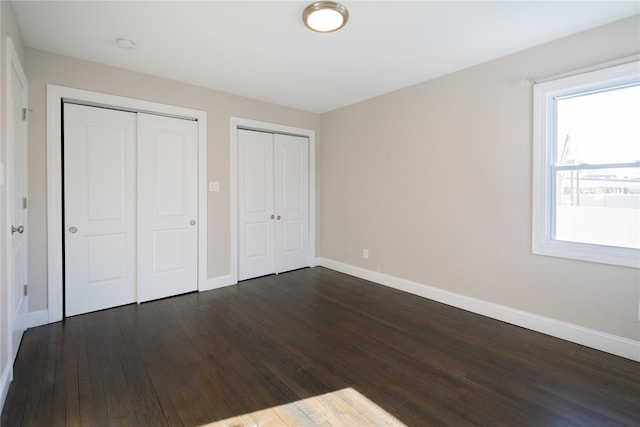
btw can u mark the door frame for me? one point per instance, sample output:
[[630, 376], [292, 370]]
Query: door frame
[[248, 124], [55, 97], [13, 65]]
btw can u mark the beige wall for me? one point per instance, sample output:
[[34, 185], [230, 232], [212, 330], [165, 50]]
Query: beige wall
[[47, 68], [435, 180], [8, 28]]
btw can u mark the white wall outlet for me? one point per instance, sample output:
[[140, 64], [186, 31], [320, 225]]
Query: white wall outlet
[[365, 253]]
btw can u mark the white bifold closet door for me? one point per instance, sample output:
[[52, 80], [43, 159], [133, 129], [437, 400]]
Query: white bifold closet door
[[273, 203], [130, 191]]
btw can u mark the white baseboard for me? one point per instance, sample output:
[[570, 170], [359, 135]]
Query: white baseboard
[[603, 341], [5, 381], [37, 318], [218, 282]]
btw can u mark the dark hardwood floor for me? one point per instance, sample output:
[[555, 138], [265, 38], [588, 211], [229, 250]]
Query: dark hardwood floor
[[199, 358]]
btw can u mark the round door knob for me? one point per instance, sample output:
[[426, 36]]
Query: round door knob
[[73, 230], [192, 222], [278, 218], [19, 229]]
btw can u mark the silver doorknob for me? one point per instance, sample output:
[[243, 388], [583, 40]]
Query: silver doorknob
[[273, 216], [19, 229], [192, 222], [73, 230], [278, 217]]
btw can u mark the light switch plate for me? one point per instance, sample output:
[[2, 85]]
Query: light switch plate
[[214, 186]]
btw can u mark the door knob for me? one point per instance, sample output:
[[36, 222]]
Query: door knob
[[273, 216], [72, 230], [19, 229], [192, 222], [278, 218]]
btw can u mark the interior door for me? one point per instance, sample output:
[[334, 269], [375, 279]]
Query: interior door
[[291, 198], [255, 204], [167, 206], [273, 203], [17, 185], [100, 208]]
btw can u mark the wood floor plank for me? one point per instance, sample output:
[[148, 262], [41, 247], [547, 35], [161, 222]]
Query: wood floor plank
[[66, 387], [307, 348]]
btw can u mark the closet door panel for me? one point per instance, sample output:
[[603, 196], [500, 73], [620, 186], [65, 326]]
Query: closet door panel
[[99, 170], [291, 198], [167, 206], [255, 204]]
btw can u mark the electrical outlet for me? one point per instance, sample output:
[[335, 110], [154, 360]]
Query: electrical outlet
[[365, 253]]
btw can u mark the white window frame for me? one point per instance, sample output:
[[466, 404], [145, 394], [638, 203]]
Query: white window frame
[[544, 134]]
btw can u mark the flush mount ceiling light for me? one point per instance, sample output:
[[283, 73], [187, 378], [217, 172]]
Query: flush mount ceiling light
[[125, 43], [325, 16]]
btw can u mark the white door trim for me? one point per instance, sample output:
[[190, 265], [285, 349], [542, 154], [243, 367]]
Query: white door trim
[[238, 122], [55, 96]]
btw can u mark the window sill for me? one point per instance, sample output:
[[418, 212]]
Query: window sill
[[625, 257]]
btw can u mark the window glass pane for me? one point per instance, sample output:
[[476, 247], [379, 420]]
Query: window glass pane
[[601, 127], [599, 206]]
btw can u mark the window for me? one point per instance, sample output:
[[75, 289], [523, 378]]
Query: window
[[586, 195]]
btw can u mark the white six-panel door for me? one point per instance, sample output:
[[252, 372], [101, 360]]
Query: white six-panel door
[[167, 206], [273, 203], [130, 191], [100, 208]]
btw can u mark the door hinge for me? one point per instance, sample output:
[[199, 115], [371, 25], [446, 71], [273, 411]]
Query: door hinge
[[24, 203], [24, 114], [26, 291]]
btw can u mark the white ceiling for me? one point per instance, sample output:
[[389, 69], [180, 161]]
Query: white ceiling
[[261, 49]]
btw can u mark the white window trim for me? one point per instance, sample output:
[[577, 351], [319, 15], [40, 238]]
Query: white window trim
[[544, 129]]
